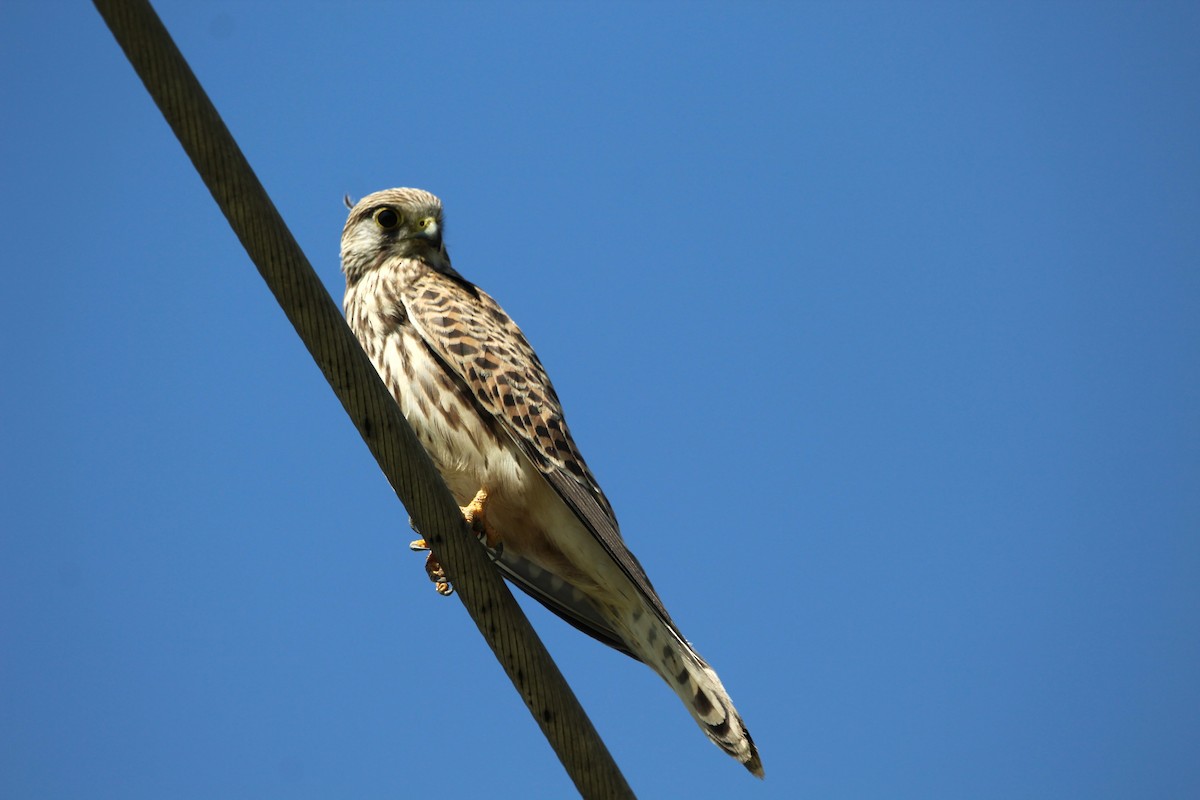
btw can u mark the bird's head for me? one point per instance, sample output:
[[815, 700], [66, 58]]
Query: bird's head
[[405, 223]]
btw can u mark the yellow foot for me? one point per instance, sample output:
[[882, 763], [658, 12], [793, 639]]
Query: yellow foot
[[473, 512], [433, 568]]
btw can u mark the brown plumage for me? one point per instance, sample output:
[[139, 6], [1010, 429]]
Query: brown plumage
[[483, 407]]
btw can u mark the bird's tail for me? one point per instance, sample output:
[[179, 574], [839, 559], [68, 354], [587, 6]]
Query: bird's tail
[[701, 691]]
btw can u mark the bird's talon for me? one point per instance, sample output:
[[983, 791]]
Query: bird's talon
[[437, 574], [473, 512]]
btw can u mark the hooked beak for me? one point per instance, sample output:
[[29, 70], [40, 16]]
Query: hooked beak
[[428, 228]]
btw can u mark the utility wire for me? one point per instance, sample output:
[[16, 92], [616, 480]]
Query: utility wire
[[318, 321]]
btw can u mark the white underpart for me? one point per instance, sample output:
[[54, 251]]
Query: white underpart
[[460, 452]]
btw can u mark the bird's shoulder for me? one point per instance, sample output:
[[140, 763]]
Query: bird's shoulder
[[481, 343]]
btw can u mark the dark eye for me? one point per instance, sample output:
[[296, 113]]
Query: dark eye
[[388, 219]]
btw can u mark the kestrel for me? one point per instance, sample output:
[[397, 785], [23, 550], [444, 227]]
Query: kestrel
[[483, 407]]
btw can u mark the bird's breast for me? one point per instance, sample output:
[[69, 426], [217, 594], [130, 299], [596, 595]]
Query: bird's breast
[[464, 442]]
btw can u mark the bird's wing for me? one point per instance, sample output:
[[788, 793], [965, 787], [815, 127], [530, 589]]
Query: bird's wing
[[468, 331]]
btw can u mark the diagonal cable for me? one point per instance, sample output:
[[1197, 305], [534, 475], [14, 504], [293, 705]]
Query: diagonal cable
[[319, 323]]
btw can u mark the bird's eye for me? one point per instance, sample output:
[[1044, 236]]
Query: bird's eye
[[388, 219]]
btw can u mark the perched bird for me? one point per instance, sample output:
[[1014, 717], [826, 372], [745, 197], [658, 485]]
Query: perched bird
[[483, 407]]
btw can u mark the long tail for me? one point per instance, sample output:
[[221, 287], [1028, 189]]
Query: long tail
[[701, 691]]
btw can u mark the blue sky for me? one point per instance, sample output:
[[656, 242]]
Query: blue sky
[[879, 323]]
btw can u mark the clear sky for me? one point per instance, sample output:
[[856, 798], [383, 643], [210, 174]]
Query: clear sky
[[878, 322]]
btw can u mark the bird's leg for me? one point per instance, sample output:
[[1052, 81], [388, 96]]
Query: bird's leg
[[433, 567], [473, 513]]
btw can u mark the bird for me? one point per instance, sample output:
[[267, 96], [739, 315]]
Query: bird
[[481, 404]]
